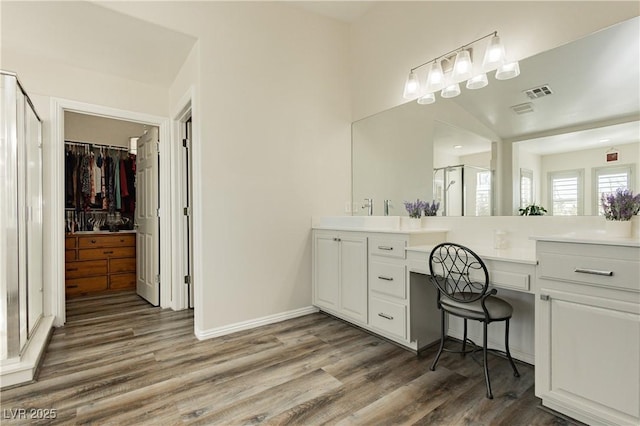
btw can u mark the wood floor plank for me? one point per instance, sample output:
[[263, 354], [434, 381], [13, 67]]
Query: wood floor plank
[[119, 360]]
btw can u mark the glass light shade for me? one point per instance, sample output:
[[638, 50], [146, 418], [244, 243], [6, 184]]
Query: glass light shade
[[507, 71], [451, 91], [435, 78], [494, 56], [411, 86], [477, 82], [426, 99], [462, 67]]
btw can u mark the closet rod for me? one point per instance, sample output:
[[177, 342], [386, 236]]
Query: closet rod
[[78, 143]]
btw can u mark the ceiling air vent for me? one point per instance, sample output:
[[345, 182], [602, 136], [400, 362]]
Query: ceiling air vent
[[522, 108], [538, 92]]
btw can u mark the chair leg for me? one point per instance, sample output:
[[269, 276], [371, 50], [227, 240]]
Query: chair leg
[[464, 338], [506, 346], [443, 336], [486, 362]]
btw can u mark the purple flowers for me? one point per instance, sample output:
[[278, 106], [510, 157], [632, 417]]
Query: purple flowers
[[620, 205], [416, 208]]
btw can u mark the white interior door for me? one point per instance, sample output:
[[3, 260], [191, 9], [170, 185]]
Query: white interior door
[[148, 231]]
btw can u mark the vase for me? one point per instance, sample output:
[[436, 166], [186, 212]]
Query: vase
[[618, 228], [415, 223]]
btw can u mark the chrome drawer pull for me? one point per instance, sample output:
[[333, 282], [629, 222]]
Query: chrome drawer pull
[[389, 317], [594, 272], [387, 248], [385, 278]]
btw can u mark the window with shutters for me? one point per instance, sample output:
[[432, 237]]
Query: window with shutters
[[483, 193], [526, 187], [565, 193], [609, 179]]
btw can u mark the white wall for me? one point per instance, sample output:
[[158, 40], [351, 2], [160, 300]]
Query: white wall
[[273, 125], [100, 130], [396, 36], [587, 160]]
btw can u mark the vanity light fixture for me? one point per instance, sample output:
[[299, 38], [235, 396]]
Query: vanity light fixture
[[447, 71]]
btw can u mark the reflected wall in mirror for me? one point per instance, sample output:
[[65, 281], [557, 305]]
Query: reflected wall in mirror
[[582, 99]]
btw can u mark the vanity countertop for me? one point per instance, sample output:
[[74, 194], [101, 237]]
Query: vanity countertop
[[488, 253], [591, 237], [382, 230]]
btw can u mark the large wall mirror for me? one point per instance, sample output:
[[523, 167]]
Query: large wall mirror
[[493, 150]]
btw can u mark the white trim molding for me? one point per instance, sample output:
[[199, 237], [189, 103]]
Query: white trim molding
[[254, 323], [56, 246]]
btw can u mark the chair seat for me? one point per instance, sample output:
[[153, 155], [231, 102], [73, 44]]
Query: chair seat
[[498, 309]]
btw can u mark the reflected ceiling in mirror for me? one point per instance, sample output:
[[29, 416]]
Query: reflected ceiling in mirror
[[591, 83]]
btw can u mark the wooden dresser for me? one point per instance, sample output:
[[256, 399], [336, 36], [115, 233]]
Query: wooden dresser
[[99, 263]]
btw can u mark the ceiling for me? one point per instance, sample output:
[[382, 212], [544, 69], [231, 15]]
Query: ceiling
[[88, 36], [446, 138], [345, 11]]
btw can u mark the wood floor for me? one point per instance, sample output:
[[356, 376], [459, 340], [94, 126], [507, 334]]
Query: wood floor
[[120, 361]]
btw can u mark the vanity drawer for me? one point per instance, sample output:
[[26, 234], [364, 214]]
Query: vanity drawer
[[98, 241], [388, 317], [609, 273], [387, 247], [388, 278]]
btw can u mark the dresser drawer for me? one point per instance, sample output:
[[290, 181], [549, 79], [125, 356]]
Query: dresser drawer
[[70, 242], [102, 253], [78, 286], [122, 281], [69, 255], [597, 271], [85, 269], [99, 241], [387, 247], [127, 264], [387, 278], [388, 317]]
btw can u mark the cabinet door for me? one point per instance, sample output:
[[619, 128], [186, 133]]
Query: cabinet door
[[353, 277], [588, 355], [326, 291]]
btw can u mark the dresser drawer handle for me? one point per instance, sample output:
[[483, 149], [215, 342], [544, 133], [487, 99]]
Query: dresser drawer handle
[[385, 316], [122, 240], [594, 272], [385, 278], [72, 286], [108, 252], [72, 269], [93, 241], [387, 248]]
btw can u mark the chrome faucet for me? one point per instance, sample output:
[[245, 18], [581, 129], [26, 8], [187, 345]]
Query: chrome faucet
[[387, 206], [368, 203]]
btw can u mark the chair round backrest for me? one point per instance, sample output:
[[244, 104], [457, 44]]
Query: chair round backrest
[[458, 272]]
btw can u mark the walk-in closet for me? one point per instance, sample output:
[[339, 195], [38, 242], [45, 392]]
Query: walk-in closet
[[100, 204]]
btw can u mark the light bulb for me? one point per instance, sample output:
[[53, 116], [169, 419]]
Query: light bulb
[[412, 86], [494, 55], [477, 82], [462, 67], [507, 71], [435, 78], [426, 99]]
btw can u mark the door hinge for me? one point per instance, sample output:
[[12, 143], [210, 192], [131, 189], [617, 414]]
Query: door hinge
[[186, 143], [158, 212], [158, 279], [187, 211], [187, 279]]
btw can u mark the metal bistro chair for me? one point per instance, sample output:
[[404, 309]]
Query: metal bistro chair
[[462, 281]]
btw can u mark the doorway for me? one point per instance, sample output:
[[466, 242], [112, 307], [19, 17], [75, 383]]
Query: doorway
[[111, 230], [187, 191], [56, 260]]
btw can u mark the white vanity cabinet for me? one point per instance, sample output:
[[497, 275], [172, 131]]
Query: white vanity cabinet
[[340, 274], [588, 330]]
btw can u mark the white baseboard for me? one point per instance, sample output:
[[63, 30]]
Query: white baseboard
[[21, 370], [257, 322]]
